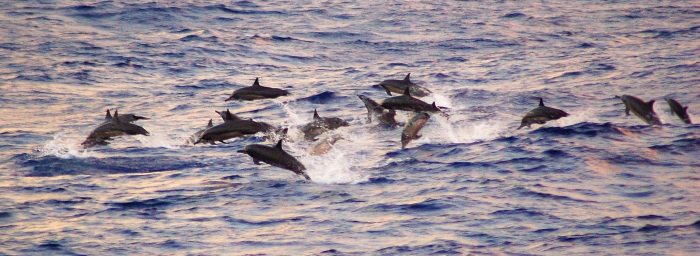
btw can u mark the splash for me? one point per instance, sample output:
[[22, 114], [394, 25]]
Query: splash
[[577, 117], [64, 145], [468, 132]]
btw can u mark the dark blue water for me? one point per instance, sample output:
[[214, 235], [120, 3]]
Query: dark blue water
[[595, 182]]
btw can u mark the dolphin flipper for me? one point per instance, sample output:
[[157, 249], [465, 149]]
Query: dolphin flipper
[[627, 110]]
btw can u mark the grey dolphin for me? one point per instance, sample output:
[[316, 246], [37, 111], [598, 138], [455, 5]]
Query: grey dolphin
[[195, 137], [541, 114], [320, 125], [641, 109], [257, 92], [112, 128], [407, 102], [385, 116], [679, 110], [275, 156], [324, 145], [127, 118], [232, 128], [399, 86], [412, 127]]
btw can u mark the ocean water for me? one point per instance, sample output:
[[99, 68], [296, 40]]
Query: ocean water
[[596, 182]]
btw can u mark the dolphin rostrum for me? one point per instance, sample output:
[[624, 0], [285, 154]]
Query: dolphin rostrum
[[126, 118], [641, 109], [275, 156], [320, 125], [408, 103], [232, 128], [257, 92], [412, 127], [324, 145], [541, 114], [195, 137], [399, 86], [679, 110], [385, 116], [112, 128]]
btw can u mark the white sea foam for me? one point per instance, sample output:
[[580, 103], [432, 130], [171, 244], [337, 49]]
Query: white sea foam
[[65, 145]]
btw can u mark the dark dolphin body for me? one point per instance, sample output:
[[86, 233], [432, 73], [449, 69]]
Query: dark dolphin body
[[679, 110], [399, 86], [319, 125], [641, 109], [257, 92], [232, 128], [195, 137], [541, 115], [412, 127], [275, 156], [409, 103], [112, 128], [126, 118], [385, 116]]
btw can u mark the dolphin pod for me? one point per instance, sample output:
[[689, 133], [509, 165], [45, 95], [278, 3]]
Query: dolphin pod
[[112, 127], [257, 92], [541, 114], [275, 156], [641, 109]]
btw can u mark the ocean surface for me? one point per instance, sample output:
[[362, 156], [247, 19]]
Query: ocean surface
[[596, 182]]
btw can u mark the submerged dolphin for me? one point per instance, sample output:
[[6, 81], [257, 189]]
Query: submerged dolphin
[[641, 109], [195, 137], [275, 156], [257, 92], [112, 128], [324, 145], [320, 125], [412, 127], [679, 110], [127, 118], [232, 128], [409, 103], [399, 86], [385, 116], [541, 115]]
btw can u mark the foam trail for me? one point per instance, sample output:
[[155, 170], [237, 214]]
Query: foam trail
[[472, 131], [577, 117], [64, 146]]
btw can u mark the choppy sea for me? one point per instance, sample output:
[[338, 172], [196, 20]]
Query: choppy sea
[[596, 182]]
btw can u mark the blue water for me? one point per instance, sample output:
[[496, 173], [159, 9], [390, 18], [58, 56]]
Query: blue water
[[596, 182]]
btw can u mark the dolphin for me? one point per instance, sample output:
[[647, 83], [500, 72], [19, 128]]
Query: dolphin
[[412, 127], [112, 128], [408, 103], [679, 110], [275, 156], [195, 137], [224, 115], [320, 125], [541, 115], [399, 86], [641, 109], [127, 118], [232, 128], [324, 145], [385, 116], [257, 92]]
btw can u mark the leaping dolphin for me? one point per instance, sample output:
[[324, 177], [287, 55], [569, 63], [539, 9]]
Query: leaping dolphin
[[112, 128], [195, 137], [412, 127], [257, 92], [127, 118], [324, 145], [407, 102], [679, 110], [399, 86], [385, 116], [541, 115], [232, 128], [275, 156], [320, 125], [641, 109]]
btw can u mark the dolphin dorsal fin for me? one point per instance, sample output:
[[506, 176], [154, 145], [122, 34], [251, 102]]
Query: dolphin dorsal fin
[[316, 116], [210, 124], [256, 83], [541, 102], [116, 117], [651, 103], [108, 116], [407, 92], [407, 78], [229, 116], [279, 145], [685, 109], [434, 106]]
